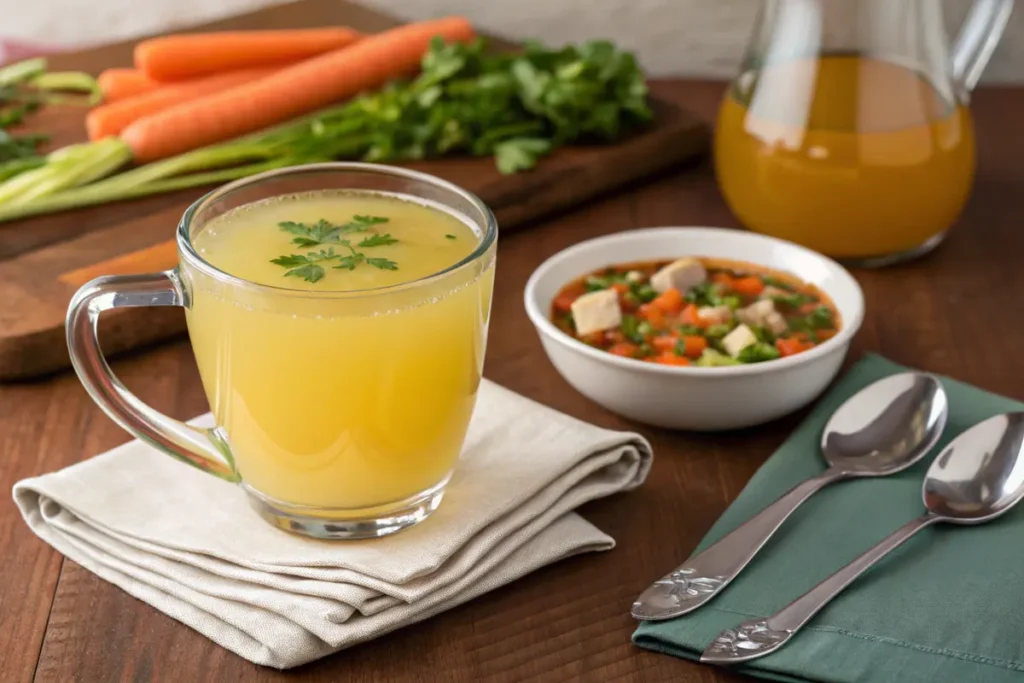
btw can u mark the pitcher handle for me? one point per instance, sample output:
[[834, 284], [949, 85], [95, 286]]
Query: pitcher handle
[[978, 38], [202, 448]]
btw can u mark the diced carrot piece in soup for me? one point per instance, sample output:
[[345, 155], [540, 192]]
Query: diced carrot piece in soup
[[751, 285], [670, 301], [690, 316], [664, 343], [624, 349], [694, 346], [671, 359], [791, 347], [653, 315]]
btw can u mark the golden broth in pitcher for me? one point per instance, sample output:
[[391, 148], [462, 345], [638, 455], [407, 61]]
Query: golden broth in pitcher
[[851, 156], [348, 398]]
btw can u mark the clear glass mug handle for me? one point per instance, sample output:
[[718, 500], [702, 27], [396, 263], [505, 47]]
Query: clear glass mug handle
[[202, 448], [978, 38]]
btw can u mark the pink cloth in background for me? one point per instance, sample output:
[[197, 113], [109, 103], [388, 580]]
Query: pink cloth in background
[[16, 50]]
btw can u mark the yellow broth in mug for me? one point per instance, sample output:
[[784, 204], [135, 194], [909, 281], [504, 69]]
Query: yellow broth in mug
[[333, 396]]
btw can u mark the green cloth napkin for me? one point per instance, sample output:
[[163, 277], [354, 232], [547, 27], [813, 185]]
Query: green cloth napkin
[[947, 606]]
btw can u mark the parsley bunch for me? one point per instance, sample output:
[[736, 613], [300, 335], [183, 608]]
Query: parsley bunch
[[516, 107]]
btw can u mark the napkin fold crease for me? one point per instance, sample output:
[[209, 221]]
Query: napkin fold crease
[[190, 545]]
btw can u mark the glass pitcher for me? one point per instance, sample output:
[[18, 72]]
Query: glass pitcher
[[847, 129]]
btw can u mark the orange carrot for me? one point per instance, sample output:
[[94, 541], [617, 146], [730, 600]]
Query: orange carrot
[[791, 347], [111, 119], [670, 301], [750, 285], [653, 315], [120, 84], [295, 90], [563, 303], [690, 316], [664, 343], [192, 55], [671, 359], [694, 346], [624, 349]]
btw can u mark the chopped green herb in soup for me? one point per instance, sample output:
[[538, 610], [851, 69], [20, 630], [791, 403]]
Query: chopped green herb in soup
[[695, 311]]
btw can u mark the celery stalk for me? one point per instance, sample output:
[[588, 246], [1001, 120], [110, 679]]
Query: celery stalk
[[103, 192]]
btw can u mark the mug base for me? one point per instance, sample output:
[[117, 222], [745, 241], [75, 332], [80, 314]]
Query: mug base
[[346, 523]]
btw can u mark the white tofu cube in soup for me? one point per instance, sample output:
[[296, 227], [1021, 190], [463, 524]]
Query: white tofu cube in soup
[[763, 314], [597, 311], [681, 275], [738, 339], [714, 315]]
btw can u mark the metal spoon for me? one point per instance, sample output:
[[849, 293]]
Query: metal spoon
[[882, 429], [977, 478]]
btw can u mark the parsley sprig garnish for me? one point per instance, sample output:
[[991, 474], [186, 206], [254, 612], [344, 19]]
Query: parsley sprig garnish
[[307, 266]]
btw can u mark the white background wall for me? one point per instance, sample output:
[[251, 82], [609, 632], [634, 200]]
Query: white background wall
[[684, 37]]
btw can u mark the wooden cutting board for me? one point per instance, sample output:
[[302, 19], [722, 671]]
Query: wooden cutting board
[[44, 260]]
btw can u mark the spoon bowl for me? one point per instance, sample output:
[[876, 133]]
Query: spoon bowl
[[887, 426], [980, 475]]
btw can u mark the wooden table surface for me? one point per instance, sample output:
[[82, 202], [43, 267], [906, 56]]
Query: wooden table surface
[[954, 312]]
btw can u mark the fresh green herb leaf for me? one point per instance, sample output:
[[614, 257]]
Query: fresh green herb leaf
[[305, 265], [595, 283], [689, 330], [368, 221], [519, 154], [289, 261], [451, 237], [733, 302], [377, 241], [349, 262], [309, 272], [294, 228], [382, 263]]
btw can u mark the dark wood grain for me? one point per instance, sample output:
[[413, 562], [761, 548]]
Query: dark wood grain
[[951, 312]]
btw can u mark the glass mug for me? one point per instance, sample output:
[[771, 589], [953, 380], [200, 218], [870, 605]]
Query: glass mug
[[341, 413], [848, 130]]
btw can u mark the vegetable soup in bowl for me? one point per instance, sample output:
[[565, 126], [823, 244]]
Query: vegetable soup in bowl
[[695, 328]]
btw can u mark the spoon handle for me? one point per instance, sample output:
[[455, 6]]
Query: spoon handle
[[703, 576], [757, 637]]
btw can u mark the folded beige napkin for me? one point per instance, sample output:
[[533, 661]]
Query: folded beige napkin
[[190, 545]]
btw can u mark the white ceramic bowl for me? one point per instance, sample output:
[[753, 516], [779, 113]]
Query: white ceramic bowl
[[690, 397]]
